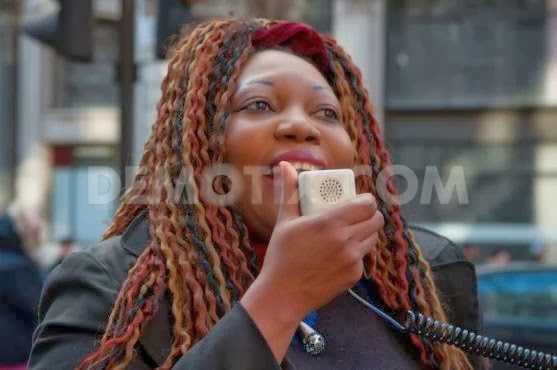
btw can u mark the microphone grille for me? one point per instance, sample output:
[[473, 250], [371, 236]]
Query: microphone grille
[[331, 190]]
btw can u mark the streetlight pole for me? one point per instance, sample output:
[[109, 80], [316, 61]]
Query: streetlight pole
[[127, 77]]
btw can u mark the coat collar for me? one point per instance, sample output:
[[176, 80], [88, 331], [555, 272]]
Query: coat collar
[[155, 337], [136, 236]]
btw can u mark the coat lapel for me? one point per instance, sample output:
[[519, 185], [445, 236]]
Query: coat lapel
[[156, 338]]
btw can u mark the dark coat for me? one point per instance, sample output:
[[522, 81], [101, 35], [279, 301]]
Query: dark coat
[[79, 294], [20, 288]]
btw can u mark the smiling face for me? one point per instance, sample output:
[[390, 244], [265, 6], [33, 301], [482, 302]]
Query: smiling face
[[283, 109]]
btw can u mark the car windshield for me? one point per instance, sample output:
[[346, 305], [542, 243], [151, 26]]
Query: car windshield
[[531, 294]]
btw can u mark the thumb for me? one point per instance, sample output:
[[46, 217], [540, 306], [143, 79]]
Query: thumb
[[289, 207]]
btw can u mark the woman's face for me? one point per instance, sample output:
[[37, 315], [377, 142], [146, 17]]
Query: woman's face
[[283, 109]]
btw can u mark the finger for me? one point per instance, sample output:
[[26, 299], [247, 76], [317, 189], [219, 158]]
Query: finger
[[353, 211], [364, 229], [289, 203], [367, 245]]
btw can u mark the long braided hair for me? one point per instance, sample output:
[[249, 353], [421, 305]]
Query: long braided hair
[[199, 255]]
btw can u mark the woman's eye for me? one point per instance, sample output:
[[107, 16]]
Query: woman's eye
[[258, 105], [328, 113]]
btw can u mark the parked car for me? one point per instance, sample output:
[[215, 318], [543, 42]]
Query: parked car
[[519, 305]]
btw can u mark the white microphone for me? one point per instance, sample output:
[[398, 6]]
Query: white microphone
[[319, 190]]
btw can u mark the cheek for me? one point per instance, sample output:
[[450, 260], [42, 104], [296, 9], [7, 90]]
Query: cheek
[[343, 149], [241, 143], [259, 209], [258, 190]]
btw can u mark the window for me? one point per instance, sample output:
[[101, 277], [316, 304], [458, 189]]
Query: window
[[75, 214], [528, 294], [466, 53], [94, 83]]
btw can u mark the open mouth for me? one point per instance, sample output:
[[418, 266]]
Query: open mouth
[[299, 166]]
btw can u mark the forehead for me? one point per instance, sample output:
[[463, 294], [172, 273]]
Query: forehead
[[269, 63]]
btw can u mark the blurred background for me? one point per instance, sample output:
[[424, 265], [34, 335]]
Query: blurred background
[[465, 87]]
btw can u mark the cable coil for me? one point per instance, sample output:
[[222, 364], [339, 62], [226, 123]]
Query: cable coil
[[484, 346]]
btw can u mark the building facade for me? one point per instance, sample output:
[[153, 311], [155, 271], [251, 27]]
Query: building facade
[[465, 92], [470, 95]]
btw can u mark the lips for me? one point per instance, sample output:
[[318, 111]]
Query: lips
[[302, 160]]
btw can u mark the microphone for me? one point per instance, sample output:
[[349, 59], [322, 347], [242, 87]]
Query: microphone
[[313, 341], [322, 189]]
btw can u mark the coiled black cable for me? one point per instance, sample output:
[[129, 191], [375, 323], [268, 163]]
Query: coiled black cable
[[467, 340], [474, 343]]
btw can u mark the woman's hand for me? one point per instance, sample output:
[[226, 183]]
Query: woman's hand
[[309, 261]]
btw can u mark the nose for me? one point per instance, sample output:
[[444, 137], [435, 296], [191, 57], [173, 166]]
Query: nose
[[297, 127]]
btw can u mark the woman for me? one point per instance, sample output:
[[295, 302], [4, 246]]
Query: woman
[[187, 279]]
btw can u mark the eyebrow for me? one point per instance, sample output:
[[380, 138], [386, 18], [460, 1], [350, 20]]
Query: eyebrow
[[262, 82], [252, 82], [270, 83], [326, 89]]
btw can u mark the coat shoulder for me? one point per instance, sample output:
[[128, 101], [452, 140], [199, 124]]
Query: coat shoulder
[[111, 256], [437, 249]]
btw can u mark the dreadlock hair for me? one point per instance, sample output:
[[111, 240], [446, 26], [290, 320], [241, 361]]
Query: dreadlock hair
[[199, 256]]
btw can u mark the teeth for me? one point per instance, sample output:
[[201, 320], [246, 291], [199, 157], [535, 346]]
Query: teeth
[[301, 166]]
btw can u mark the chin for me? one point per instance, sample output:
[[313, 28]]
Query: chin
[[261, 227]]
